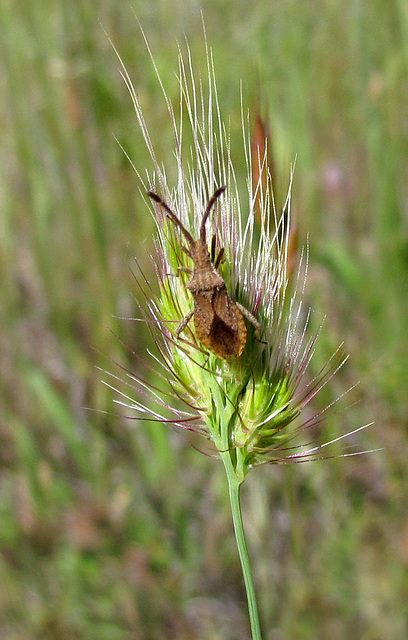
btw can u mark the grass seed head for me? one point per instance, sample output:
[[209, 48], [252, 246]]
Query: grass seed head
[[248, 400]]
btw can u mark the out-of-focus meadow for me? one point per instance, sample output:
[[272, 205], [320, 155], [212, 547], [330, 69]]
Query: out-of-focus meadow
[[115, 530]]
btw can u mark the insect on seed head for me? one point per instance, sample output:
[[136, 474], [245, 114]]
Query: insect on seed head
[[218, 319]]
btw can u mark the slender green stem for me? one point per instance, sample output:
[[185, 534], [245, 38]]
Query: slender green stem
[[234, 487]]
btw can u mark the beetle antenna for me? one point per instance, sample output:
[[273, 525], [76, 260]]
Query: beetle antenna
[[207, 212], [172, 216]]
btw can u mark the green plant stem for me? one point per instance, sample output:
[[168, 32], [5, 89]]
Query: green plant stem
[[234, 487]]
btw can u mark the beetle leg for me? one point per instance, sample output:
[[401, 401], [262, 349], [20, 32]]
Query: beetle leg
[[248, 315], [216, 260], [186, 251], [219, 258], [184, 323], [183, 269], [213, 247]]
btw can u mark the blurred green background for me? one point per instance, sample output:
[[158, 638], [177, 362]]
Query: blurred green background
[[114, 530]]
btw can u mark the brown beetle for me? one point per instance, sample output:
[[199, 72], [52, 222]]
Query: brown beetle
[[218, 319]]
